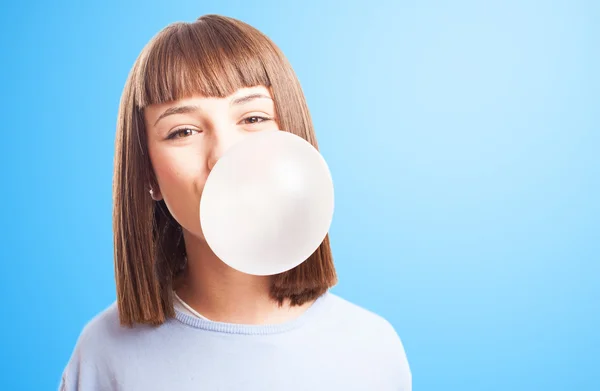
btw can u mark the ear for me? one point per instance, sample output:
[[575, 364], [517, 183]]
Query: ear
[[154, 188]]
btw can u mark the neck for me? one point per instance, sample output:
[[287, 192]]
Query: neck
[[224, 294]]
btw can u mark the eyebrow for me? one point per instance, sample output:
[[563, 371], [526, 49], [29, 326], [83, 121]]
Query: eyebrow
[[177, 110], [192, 108], [248, 98]]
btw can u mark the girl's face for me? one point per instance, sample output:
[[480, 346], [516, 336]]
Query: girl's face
[[188, 136]]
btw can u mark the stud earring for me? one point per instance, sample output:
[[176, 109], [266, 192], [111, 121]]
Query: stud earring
[[154, 195]]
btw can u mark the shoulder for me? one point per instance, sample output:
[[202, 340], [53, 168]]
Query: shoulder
[[99, 345], [105, 331], [360, 318], [104, 324], [372, 335]]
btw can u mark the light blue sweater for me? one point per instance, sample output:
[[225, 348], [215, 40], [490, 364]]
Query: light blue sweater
[[334, 345]]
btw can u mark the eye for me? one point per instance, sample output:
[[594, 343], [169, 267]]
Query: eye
[[182, 133], [255, 119]]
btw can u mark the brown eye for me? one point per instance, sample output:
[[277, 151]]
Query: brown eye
[[254, 120], [182, 133]]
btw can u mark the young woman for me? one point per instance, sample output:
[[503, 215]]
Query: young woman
[[183, 320]]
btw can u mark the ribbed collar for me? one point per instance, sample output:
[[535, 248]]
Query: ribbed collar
[[251, 329]]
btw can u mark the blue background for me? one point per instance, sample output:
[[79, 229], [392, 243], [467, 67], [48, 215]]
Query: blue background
[[463, 139]]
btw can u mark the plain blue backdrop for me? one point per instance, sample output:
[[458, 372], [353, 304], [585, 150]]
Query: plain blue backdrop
[[464, 143]]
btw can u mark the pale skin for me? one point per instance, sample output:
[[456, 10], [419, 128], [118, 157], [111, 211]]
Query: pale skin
[[185, 140]]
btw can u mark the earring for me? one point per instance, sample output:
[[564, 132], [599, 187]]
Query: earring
[[156, 196]]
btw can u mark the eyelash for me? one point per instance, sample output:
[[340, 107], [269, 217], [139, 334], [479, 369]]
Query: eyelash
[[176, 132]]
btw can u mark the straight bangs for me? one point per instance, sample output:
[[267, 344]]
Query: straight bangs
[[199, 58]]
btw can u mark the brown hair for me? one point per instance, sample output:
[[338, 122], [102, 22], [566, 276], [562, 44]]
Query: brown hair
[[213, 56]]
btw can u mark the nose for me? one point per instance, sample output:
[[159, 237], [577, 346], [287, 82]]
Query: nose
[[222, 138]]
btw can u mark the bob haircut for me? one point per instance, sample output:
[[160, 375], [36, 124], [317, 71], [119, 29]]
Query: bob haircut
[[213, 56]]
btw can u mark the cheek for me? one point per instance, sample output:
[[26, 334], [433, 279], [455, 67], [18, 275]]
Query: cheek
[[181, 176]]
